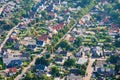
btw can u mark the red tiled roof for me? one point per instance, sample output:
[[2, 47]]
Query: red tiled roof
[[59, 26], [13, 37], [22, 24], [42, 38], [11, 70]]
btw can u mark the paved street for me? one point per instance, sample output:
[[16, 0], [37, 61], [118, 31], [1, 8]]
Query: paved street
[[7, 37], [1, 9], [89, 70], [40, 55]]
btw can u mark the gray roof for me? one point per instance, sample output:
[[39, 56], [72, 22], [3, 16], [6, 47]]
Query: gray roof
[[73, 77]]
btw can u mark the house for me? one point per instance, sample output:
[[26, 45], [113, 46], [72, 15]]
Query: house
[[64, 53], [56, 1], [87, 50], [49, 8], [54, 29], [31, 14], [103, 69], [9, 55], [16, 46], [78, 54], [14, 63], [70, 38], [114, 30], [11, 71], [82, 61], [29, 42], [22, 25], [42, 40], [84, 19], [108, 53], [58, 27], [24, 56], [40, 68], [12, 39], [59, 60], [59, 50], [73, 77], [108, 72], [74, 71], [96, 52]]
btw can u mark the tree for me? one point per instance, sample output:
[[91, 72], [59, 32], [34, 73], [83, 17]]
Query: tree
[[47, 56], [108, 7], [43, 61], [44, 14], [69, 63], [108, 39], [54, 71], [43, 77], [78, 41], [64, 44], [15, 20], [50, 48], [113, 59], [117, 67], [82, 72], [117, 43], [2, 78], [29, 76]]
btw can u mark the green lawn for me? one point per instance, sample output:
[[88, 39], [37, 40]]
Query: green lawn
[[42, 31], [101, 40]]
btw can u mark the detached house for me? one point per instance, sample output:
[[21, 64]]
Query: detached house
[[22, 25], [42, 40], [59, 60], [73, 77], [28, 42], [105, 72], [14, 63], [11, 71], [58, 27], [10, 57], [40, 69], [96, 52], [103, 69]]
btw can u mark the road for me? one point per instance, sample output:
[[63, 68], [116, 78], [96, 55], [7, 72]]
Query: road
[[7, 37], [9, 33], [67, 32], [1, 9], [31, 63], [26, 68], [40, 55], [89, 70]]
